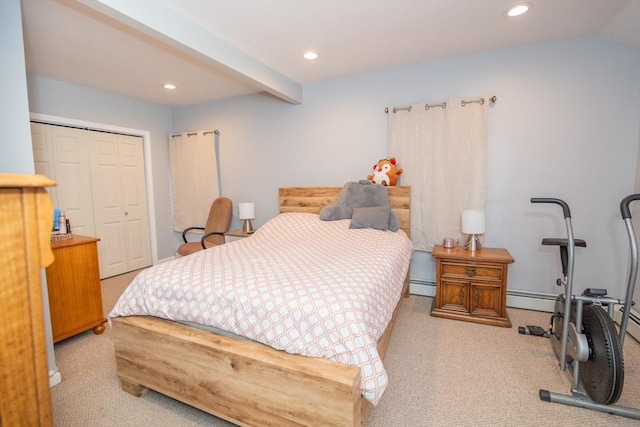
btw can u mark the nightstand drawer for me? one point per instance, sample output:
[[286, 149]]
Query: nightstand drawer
[[466, 270]]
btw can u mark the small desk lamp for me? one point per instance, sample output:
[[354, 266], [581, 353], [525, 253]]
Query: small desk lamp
[[246, 214], [473, 224]]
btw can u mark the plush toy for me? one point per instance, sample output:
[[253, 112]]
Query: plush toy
[[385, 172]]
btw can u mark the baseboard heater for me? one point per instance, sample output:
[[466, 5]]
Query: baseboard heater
[[634, 317], [633, 326], [526, 300]]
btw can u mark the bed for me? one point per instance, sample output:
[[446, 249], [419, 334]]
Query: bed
[[245, 381]]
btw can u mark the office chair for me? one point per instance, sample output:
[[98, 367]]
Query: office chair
[[218, 223]]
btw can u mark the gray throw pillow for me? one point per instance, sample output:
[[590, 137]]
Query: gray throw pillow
[[371, 217], [394, 221]]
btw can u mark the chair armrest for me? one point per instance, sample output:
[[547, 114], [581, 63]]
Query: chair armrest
[[207, 235], [186, 230]]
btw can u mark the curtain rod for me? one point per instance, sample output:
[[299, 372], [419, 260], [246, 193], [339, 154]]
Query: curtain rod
[[207, 132], [480, 101]]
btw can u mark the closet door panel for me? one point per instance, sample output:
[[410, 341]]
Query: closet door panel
[[43, 156], [135, 202], [112, 256], [71, 162], [107, 203], [61, 154]]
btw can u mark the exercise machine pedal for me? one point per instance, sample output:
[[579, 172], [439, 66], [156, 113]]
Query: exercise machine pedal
[[533, 330]]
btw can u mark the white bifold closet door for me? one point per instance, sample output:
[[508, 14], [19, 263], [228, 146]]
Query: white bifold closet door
[[62, 154], [119, 202], [101, 188]]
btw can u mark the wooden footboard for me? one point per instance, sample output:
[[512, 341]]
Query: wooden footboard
[[241, 381]]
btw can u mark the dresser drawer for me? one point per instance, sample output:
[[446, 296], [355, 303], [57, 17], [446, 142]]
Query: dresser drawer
[[474, 271]]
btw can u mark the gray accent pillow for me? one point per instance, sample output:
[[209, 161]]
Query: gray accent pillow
[[394, 221], [372, 217]]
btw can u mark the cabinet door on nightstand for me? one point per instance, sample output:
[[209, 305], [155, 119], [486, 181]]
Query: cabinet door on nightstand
[[486, 300], [454, 296]]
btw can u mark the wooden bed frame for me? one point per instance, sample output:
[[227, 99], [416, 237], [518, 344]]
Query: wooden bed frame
[[243, 381]]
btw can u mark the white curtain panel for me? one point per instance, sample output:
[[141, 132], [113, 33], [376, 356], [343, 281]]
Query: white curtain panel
[[194, 177], [443, 152]]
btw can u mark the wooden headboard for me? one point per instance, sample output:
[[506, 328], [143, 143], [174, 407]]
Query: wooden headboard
[[313, 199]]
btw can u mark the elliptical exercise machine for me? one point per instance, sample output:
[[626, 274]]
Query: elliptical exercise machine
[[583, 334]]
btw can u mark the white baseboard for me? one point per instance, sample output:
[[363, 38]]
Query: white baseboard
[[167, 259], [54, 378]]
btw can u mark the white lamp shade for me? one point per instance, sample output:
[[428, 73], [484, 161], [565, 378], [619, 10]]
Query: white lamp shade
[[473, 222], [246, 211]]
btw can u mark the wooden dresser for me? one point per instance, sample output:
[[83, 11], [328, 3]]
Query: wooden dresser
[[75, 298], [472, 286], [26, 219]]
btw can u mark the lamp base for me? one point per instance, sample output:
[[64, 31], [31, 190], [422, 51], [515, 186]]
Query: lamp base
[[247, 226], [474, 243]]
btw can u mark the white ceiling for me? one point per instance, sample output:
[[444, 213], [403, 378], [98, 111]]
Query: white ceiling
[[217, 49]]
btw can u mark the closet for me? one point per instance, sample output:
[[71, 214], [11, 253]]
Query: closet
[[101, 189]]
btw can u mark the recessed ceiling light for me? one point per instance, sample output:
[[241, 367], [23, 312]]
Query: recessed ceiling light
[[517, 10], [310, 55], [169, 86]]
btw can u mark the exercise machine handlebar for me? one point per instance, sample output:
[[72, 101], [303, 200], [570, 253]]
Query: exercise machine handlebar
[[633, 267], [565, 207], [624, 205]]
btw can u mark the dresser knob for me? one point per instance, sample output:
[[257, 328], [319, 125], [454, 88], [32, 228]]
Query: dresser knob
[[470, 271]]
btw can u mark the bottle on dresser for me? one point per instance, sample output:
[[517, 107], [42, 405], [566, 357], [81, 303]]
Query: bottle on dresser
[[62, 223]]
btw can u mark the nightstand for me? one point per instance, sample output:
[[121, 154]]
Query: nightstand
[[232, 235], [472, 286]]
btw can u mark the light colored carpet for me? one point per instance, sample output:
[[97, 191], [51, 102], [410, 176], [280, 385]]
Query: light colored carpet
[[441, 373]]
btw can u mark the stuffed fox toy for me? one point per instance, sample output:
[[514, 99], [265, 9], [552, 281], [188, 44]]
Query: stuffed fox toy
[[385, 172]]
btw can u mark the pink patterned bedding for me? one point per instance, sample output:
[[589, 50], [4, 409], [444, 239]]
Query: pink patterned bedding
[[299, 284]]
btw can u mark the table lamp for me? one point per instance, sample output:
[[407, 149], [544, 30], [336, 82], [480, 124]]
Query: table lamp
[[246, 214], [473, 224]]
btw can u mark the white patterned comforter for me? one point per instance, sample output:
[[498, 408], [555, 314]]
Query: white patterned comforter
[[299, 284]]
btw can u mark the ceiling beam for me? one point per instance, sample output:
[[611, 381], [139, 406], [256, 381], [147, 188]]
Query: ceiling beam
[[164, 24]]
